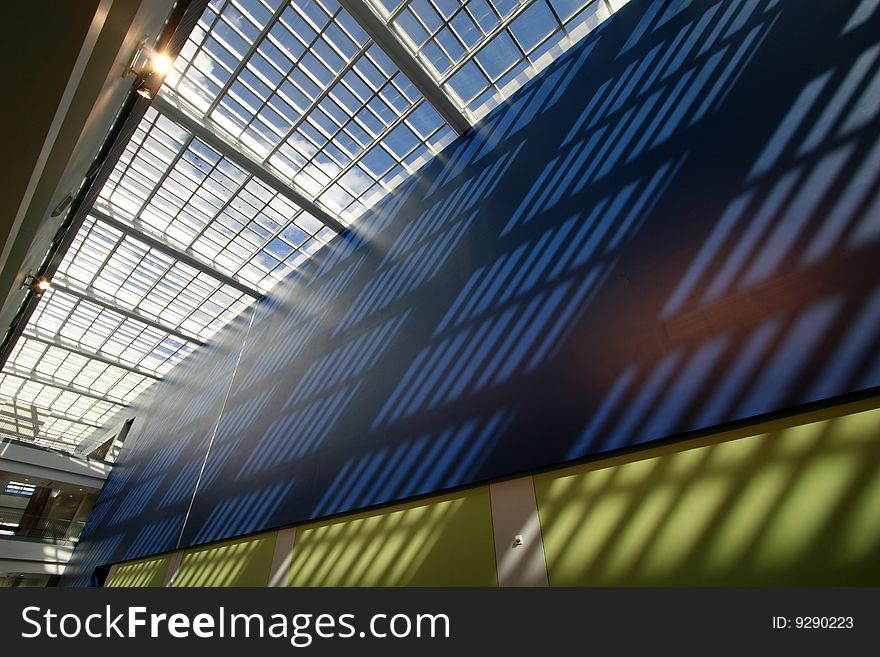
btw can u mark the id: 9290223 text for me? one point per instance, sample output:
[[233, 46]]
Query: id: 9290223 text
[[813, 623]]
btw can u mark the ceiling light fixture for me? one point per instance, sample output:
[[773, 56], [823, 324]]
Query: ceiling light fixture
[[143, 90], [160, 63], [147, 61], [38, 284], [148, 64]]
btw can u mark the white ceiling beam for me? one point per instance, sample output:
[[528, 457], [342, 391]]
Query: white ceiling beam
[[130, 314], [181, 256], [245, 162], [379, 32]]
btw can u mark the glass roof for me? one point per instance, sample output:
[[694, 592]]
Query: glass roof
[[481, 51], [87, 327], [173, 186], [193, 224], [124, 271], [84, 412], [302, 89]]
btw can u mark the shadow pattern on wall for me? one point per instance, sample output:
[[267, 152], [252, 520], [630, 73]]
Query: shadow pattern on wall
[[676, 226]]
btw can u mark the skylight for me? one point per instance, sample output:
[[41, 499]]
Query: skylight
[[481, 51], [304, 91], [173, 186], [280, 124]]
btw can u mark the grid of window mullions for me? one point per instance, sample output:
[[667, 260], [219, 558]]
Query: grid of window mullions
[[471, 52], [274, 92], [165, 211], [315, 103], [215, 232], [160, 184], [209, 33], [385, 180], [165, 197], [243, 62], [348, 150], [316, 124], [106, 333], [135, 261], [248, 222], [562, 25], [310, 163], [523, 62], [130, 389], [328, 90], [474, 56], [178, 206], [61, 440], [65, 367], [52, 399], [431, 34], [52, 433], [244, 215], [131, 274], [148, 159], [227, 91], [255, 231], [314, 179], [19, 488]]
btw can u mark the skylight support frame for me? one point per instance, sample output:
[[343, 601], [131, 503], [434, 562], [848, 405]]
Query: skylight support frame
[[248, 164], [171, 251], [130, 314], [49, 383], [52, 416], [491, 34], [320, 97], [243, 62], [29, 439], [407, 64], [42, 440], [90, 355]]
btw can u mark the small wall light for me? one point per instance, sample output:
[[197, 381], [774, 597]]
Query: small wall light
[[143, 90], [148, 64], [147, 61], [38, 284], [160, 63]]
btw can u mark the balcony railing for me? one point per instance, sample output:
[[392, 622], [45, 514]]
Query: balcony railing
[[35, 527]]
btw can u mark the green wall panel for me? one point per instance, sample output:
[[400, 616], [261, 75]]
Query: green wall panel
[[141, 573], [795, 505], [242, 562], [443, 541]]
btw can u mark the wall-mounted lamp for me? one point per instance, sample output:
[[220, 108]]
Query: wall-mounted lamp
[[160, 63], [38, 284], [147, 61], [150, 67]]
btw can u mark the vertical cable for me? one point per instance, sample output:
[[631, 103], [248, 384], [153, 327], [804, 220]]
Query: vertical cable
[[216, 426]]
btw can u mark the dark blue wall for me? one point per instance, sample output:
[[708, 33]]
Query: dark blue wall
[[676, 226]]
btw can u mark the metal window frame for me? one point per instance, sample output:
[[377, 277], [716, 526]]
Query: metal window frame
[[181, 256], [404, 60], [91, 355], [130, 314]]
